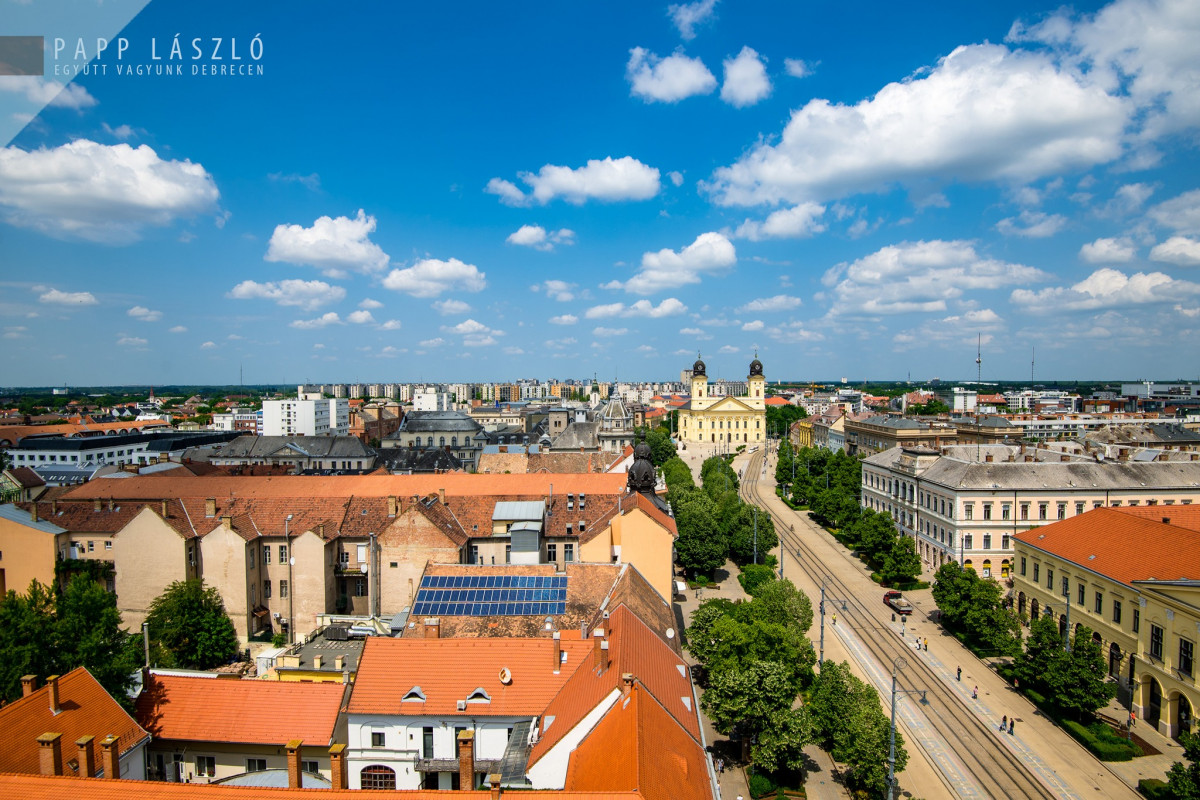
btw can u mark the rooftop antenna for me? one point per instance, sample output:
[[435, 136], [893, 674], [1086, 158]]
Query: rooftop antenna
[[1032, 364]]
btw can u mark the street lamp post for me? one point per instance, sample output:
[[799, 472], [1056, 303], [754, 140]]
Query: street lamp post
[[897, 665], [291, 588]]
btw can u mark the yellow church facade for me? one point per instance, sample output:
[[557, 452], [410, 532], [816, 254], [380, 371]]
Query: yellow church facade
[[737, 420]]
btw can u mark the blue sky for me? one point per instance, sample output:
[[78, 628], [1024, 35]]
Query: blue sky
[[483, 191]]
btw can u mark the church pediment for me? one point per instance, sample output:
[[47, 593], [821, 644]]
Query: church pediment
[[728, 404]]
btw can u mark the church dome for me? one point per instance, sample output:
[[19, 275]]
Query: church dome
[[642, 451], [755, 367], [698, 368], [642, 476]]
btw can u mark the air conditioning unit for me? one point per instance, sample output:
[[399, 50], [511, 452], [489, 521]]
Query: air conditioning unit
[[461, 705]]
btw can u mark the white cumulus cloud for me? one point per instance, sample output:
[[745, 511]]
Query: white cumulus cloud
[[1106, 288], [323, 321], [370, 304], [308, 295], [336, 245], [390, 325], [609, 180], [1180, 213], [1032, 224], [144, 314], [780, 302], [797, 68], [746, 80], [102, 193], [666, 80], [1108, 251], [1178, 250], [178, 329], [602, 331], [564, 319], [539, 238], [43, 91], [642, 308], [985, 112], [431, 277], [131, 341], [55, 297], [360, 317], [711, 253], [787, 223], [919, 276], [687, 16], [753, 325], [449, 306]]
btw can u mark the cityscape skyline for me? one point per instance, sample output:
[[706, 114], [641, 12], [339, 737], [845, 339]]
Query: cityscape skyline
[[458, 194]]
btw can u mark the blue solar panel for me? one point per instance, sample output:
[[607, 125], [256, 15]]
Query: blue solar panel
[[491, 595]]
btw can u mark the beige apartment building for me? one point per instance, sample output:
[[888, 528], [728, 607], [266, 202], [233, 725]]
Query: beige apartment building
[[1131, 575], [967, 503], [284, 551]]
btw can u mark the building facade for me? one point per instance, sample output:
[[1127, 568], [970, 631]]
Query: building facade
[[308, 415], [708, 419]]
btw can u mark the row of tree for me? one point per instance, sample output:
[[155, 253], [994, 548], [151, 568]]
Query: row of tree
[[873, 535], [714, 524], [829, 483], [758, 660], [50, 631]]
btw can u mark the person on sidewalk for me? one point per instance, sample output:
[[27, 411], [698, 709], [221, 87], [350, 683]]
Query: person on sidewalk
[[926, 641], [1012, 722], [1003, 723], [959, 678], [975, 693], [1132, 719]]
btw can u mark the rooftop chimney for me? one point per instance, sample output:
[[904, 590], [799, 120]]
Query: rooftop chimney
[[392, 506], [442, 496], [627, 682], [50, 753], [466, 760], [33, 511], [210, 507], [339, 663], [433, 628], [597, 638], [494, 783], [110, 757], [164, 509], [293, 763], [337, 766], [87, 756], [28, 685], [988, 458], [316, 662], [604, 655], [52, 687], [557, 651], [97, 505]]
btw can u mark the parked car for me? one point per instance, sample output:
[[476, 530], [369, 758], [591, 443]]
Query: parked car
[[897, 602]]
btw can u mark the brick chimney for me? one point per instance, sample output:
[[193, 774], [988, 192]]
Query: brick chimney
[[110, 757], [33, 511], [604, 655], [466, 760], [442, 496], [293, 763], [87, 756], [52, 691], [50, 753], [392, 506], [28, 685], [164, 509], [557, 651], [626, 683], [597, 638], [337, 766], [494, 783], [988, 458], [433, 628], [210, 507], [97, 505], [339, 663], [316, 662]]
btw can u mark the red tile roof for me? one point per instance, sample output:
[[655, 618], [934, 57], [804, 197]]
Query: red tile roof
[[37, 787], [1103, 539], [449, 670], [634, 649], [1180, 516], [776, 401], [85, 710], [241, 711], [637, 746]]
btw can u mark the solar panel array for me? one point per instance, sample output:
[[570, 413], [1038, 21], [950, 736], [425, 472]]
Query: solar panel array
[[491, 595]]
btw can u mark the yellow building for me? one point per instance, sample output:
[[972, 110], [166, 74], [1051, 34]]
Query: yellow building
[[1132, 575], [706, 419]]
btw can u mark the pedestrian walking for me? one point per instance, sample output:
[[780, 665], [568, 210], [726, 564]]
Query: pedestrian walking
[[1012, 722], [959, 677], [975, 693], [1003, 723], [1132, 719], [926, 640], [835, 619]]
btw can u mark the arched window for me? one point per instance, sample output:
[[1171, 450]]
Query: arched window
[[987, 568], [454, 441], [429, 443], [968, 564], [378, 776], [441, 441]]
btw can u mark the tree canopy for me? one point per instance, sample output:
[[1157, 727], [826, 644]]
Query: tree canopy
[[1075, 682], [972, 604], [1183, 779], [189, 624]]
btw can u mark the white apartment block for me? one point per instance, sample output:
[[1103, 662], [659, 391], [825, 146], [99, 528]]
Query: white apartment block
[[309, 415], [432, 400], [960, 508]]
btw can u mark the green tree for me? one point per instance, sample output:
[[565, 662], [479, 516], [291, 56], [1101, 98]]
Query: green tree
[[738, 642], [902, 564], [700, 638], [88, 633], [782, 603], [972, 605], [26, 628], [662, 449], [1044, 653], [1183, 780], [850, 723], [1075, 681], [753, 533], [875, 534], [745, 700], [190, 623], [755, 576], [780, 745], [700, 547]]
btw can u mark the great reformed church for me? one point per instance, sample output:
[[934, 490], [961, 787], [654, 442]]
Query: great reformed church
[[707, 420]]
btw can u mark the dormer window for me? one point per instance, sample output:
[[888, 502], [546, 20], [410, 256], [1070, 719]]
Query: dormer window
[[479, 696], [415, 694]]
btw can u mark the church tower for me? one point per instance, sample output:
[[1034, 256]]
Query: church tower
[[700, 397], [756, 385]]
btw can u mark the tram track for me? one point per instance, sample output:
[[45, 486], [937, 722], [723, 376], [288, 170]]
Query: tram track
[[990, 763]]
